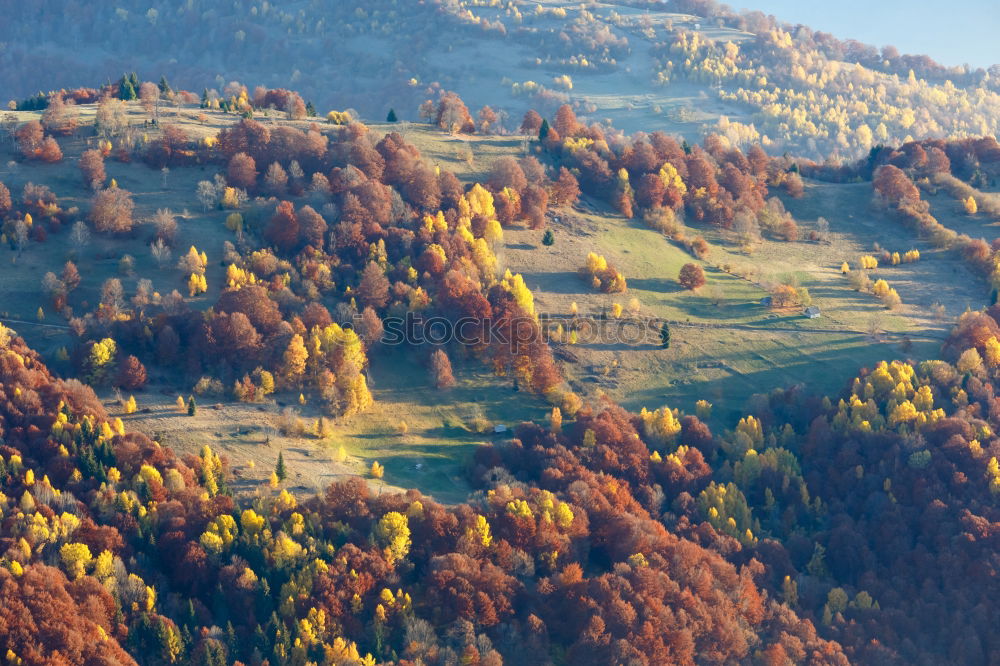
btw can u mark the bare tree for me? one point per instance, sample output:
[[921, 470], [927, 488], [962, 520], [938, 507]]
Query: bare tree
[[112, 210], [822, 228], [160, 252], [20, 236], [166, 225], [10, 126], [110, 118], [208, 196], [80, 234], [143, 293], [149, 97]]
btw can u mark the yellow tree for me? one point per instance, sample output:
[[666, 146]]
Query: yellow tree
[[294, 360], [992, 352], [969, 361], [971, 207], [555, 419], [75, 558], [99, 361], [393, 533]]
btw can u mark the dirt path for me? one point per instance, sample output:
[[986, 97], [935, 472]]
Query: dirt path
[[60, 327], [826, 331]]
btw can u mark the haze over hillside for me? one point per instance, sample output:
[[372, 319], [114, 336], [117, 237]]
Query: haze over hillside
[[638, 66], [963, 34]]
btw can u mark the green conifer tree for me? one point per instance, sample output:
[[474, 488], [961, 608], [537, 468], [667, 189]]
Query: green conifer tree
[[126, 91], [280, 470]]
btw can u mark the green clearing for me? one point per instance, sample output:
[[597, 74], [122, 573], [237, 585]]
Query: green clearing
[[726, 346], [443, 428]]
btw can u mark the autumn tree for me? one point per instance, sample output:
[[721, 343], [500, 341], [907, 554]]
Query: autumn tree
[[506, 172], [70, 276], [894, 185], [276, 180], [92, 169], [370, 328], [29, 138], [565, 122], [131, 374], [794, 185], [293, 361], [691, 276], [566, 189], [58, 117], [283, 228], [312, 227], [111, 210], [487, 118], [50, 152], [453, 115], [441, 370], [373, 289], [242, 171], [531, 122]]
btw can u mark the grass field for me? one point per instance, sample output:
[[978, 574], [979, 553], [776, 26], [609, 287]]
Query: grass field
[[440, 429], [725, 345]]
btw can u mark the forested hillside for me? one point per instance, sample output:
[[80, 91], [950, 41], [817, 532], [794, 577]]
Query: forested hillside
[[440, 333]]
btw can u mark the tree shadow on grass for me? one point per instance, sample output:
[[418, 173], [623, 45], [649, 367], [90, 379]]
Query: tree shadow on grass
[[658, 285], [556, 282]]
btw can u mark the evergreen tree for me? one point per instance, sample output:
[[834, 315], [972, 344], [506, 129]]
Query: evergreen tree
[[391, 118], [192, 407], [665, 336], [204, 99], [126, 91], [280, 470], [165, 88], [543, 131], [133, 78], [549, 238], [686, 147], [310, 110]]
